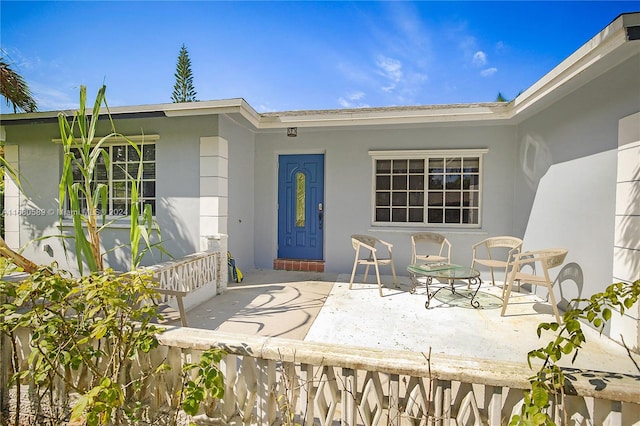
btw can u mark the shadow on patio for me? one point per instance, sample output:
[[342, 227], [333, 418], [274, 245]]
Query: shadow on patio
[[319, 307]]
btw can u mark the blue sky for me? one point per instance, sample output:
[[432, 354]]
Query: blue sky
[[295, 55]]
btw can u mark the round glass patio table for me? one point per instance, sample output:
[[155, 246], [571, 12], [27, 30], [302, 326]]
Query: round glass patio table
[[449, 276]]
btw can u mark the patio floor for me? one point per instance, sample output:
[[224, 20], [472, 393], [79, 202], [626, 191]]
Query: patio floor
[[319, 307]]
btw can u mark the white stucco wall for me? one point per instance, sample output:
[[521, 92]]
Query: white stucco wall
[[243, 216], [565, 187], [177, 189], [348, 184]]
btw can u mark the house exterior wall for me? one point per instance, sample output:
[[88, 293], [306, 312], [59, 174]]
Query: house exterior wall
[[566, 184], [348, 187], [244, 217], [177, 189]]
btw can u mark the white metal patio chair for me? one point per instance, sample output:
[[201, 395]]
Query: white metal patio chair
[[430, 247], [547, 259], [497, 253], [364, 243]]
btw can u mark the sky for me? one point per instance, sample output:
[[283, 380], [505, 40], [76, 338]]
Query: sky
[[299, 55]]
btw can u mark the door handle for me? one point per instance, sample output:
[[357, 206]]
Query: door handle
[[320, 215]]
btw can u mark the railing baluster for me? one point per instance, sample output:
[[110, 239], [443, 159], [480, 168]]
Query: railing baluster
[[394, 400], [307, 394], [495, 405], [349, 397]]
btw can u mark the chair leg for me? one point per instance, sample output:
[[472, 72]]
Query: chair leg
[[504, 283], [554, 305], [505, 299], [393, 271], [378, 277], [493, 279], [366, 273], [353, 273]]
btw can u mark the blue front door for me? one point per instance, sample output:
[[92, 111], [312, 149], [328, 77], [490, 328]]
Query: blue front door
[[300, 206]]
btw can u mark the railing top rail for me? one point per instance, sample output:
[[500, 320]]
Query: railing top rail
[[610, 386], [159, 267]]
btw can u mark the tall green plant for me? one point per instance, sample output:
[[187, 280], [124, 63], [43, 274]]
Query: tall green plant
[[87, 198]]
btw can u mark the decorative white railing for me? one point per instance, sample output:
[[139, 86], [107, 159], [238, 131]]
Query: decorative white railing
[[189, 273], [271, 381]]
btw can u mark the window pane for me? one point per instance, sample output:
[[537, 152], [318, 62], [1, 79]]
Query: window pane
[[118, 172], [416, 215], [400, 182], [454, 165], [436, 165], [120, 208], [416, 182], [383, 215], [118, 153], [148, 189], [149, 171], [470, 182], [101, 172], [132, 154], [149, 153], [399, 199], [383, 182], [471, 165], [383, 199], [383, 166], [416, 198], [452, 198], [453, 182], [435, 215], [436, 198], [452, 216], [416, 166], [435, 182], [400, 166], [132, 170], [470, 216], [399, 215], [470, 199], [119, 190]]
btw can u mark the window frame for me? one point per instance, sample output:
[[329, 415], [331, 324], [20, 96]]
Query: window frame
[[120, 141], [425, 155]]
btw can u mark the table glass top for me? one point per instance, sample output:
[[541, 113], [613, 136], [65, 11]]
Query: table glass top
[[443, 270]]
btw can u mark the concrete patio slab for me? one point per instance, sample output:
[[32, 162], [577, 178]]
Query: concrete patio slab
[[318, 307], [267, 303]]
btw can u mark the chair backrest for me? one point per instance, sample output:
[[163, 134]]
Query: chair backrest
[[364, 239], [554, 257], [421, 238], [504, 242]]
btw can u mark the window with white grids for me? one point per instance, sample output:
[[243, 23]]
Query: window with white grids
[[435, 188], [122, 171]]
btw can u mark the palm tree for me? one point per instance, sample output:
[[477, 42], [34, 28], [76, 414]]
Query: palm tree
[[15, 90]]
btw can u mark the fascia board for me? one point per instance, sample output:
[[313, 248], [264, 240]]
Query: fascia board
[[438, 114], [592, 59]]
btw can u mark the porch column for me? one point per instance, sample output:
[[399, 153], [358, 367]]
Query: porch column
[[11, 200], [626, 260], [214, 196], [213, 186]]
